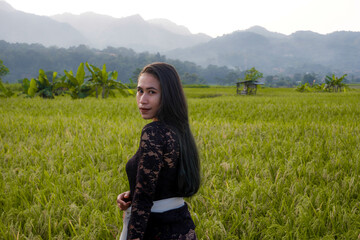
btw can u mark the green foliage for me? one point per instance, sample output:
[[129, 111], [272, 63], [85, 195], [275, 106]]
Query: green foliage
[[334, 84], [309, 78], [252, 75], [76, 84], [5, 92], [126, 62], [25, 84], [282, 81], [283, 165], [106, 81], [196, 86], [44, 87], [32, 90], [41, 86], [306, 88], [193, 78], [3, 69], [132, 84]]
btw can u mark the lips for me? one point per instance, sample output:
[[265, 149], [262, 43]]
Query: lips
[[144, 110]]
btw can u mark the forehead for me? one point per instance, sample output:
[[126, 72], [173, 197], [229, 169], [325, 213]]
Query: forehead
[[147, 80]]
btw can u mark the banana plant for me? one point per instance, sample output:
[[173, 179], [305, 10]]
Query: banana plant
[[60, 85], [40, 86], [334, 83], [107, 81], [76, 85], [32, 90], [25, 85], [304, 88], [318, 87]]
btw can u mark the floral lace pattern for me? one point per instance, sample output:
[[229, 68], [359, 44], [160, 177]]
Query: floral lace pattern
[[152, 176]]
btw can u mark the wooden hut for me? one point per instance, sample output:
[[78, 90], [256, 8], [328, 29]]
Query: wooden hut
[[250, 87]]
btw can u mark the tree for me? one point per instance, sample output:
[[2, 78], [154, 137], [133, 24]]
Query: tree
[[252, 75], [193, 78], [135, 74], [309, 78], [4, 92], [3, 69], [231, 78], [269, 80]]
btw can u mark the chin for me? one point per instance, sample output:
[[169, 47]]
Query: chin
[[146, 117]]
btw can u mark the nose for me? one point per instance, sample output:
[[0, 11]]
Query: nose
[[144, 98]]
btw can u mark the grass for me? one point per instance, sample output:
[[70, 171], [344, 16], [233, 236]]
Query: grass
[[279, 165]]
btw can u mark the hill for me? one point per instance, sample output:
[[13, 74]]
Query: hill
[[275, 53], [17, 26], [25, 60], [94, 30], [132, 32]]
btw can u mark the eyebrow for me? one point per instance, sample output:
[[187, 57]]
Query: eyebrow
[[149, 88]]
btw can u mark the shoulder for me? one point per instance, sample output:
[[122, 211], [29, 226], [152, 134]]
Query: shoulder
[[158, 127], [158, 130]]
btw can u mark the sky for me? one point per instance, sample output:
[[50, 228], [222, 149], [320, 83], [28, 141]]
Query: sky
[[217, 17]]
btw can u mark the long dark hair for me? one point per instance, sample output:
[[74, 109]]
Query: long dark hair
[[174, 112]]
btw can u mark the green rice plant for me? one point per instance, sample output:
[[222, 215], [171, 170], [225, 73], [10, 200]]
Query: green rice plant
[[278, 165]]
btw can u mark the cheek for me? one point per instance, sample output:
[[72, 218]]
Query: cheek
[[158, 102]]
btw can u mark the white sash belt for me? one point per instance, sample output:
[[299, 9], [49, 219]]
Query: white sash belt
[[158, 207]]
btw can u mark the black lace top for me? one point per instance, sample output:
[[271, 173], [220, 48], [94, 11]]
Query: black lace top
[[152, 174]]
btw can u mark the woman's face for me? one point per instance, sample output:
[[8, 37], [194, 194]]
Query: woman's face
[[148, 96]]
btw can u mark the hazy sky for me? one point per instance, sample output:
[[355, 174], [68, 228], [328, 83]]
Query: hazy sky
[[217, 17]]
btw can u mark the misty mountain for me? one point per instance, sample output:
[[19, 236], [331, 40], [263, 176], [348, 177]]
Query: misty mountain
[[134, 32], [94, 30], [89, 24], [17, 26], [269, 52], [274, 53], [170, 26]]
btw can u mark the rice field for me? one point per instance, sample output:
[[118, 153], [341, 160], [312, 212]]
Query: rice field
[[278, 165]]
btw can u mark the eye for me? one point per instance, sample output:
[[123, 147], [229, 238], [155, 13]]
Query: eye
[[140, 90], [152, 92]]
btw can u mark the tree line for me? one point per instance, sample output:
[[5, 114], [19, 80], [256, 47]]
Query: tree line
[[24, 61]]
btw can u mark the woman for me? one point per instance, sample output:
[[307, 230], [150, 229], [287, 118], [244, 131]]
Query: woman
[[166, 166]]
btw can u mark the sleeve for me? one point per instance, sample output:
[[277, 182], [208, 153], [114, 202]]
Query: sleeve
[[150, 164]]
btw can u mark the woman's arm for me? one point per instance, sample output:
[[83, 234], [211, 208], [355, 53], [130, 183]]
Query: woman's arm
[[150, 164]]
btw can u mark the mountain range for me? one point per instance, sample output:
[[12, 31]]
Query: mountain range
[[274, 53], [18, 26], [269, 52], [94, 30]]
